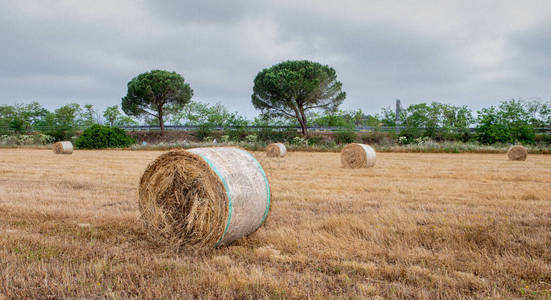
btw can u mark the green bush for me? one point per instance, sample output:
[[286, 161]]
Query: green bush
[[378, 137], [99, 136], [543, 138], [26, 139], [265, 134], [315, 140], [269, 135], [61, 134], [345, 137], [236, 134], [204, 131]]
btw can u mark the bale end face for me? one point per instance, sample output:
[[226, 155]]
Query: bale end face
[[517, 152], [63, 148], [276, 150], [358, 156]]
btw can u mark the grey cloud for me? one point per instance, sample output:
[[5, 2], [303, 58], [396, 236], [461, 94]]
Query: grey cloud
[[220, 46], [533, 47]]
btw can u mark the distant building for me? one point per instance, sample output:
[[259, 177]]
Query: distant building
[[398, 110]]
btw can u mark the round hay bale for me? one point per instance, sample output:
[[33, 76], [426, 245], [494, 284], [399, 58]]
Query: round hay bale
[[63, 148], [276, 150], [517, 152], [358, 156], [203, 197]]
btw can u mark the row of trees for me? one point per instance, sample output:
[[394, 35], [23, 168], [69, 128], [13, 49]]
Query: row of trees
[[510, 121], [61, 123], [307, 93], [289, 90]]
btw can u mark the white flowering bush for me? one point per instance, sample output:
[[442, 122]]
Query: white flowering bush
[[26, 139], [297, 140], [421, 140]]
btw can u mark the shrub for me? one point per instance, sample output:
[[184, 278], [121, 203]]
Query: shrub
[[345, 137], [300, 141], [251, 138], [237, 133], [265, 134], [543, 138], [315, 140], [99, 136], [277, 136], [26, 139], [402, 140], [203, 131], [61, 134], [377, 137]]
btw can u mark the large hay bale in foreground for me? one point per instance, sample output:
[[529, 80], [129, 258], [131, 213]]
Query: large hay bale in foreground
[[276, 150], [203, 197], [358, 156], [63, 148], [517, 152]]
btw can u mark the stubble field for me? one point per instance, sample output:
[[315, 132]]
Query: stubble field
[[416, 225]]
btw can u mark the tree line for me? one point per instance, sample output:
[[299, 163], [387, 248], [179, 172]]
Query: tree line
[[510, 121], [297, 94]]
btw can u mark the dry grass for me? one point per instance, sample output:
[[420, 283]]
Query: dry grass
[[422, 225]]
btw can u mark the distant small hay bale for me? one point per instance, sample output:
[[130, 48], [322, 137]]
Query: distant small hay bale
[[203, 197], [358, 156], [517, 152], [63, 148], [276, 150]]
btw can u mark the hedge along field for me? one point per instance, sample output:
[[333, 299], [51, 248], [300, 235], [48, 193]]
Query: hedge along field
[[424, 225]]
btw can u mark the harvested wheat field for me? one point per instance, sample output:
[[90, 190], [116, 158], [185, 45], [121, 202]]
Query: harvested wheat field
[[415, 225]]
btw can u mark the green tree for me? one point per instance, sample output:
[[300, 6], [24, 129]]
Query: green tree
[[388, 117], [436, 120], [517, 118], [291, 88], [338, 118], [208, 116], [235, 126], [153, 94], [20, 117], [197, 113], [491, 128], [111, 114], [89, 116], [6, 112], [540, 113], [114, 117], [510, 122], [418, 121], [64, 122]]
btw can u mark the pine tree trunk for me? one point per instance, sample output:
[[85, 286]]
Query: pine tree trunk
[[303, 122], [303, 128], [161, 123]]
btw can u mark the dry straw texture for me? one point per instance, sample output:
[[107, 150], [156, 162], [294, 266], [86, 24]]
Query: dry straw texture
[[276, 150], [63, 148], [204, 197], [468, 226], [358, 156], [517, 153]]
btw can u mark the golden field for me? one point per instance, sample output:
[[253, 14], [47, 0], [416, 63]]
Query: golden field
[[415, 225]]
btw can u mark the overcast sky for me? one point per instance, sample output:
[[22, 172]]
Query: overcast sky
[[461, 52]]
